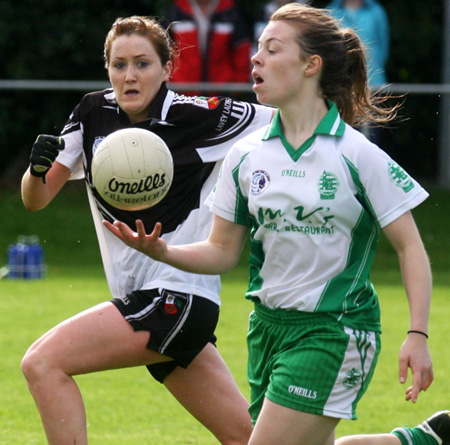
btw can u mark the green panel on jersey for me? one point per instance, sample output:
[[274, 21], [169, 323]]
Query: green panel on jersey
[[241, 208], [352, 286], [361, 192], [256, 261], [243, 216]]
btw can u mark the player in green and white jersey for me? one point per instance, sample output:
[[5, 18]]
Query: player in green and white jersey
[[314, 194], [315, 211]]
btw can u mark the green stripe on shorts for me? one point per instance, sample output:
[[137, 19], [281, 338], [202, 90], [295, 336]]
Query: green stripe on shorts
[[308, 361]]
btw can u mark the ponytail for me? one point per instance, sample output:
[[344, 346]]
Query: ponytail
[[362, 105]]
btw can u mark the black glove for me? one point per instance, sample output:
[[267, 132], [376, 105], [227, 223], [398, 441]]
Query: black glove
[[44, 152]]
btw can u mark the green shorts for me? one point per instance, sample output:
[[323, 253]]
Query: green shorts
[[309, 362]]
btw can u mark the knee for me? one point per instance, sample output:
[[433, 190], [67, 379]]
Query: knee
[[33, 365]]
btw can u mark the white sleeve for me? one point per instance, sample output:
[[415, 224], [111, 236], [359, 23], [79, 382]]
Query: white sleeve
[[223, 196], [72, 155], [390, 189]]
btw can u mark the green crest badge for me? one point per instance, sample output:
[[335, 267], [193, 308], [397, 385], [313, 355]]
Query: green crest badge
[[399, 177], [352, 378], [328, 185]]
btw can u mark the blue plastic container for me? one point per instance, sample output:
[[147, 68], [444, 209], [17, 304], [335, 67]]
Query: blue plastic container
[[26, 259]]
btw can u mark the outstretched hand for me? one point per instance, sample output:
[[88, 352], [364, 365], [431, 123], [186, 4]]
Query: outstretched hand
[[414, 354], [151, 245]]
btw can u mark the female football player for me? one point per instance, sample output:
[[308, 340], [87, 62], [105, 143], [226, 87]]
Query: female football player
[[159, 316], [314, 195]]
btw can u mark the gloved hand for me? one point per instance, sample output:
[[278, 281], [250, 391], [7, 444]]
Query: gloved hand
[[43, 153]]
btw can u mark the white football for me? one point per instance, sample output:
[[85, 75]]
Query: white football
[[132, 169]]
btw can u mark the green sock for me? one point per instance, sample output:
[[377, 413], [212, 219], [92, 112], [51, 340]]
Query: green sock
[[414, 436]]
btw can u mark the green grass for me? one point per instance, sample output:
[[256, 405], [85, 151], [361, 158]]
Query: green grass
[[127, 406]]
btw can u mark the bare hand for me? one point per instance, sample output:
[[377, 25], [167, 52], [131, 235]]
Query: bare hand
[[414, 354], [151, 245]]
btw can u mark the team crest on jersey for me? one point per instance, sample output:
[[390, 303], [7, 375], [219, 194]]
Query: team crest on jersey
[[207, 102], [170, 305], [328, 185], [352, 378], [97, 141], [260, 182], [399, 177]]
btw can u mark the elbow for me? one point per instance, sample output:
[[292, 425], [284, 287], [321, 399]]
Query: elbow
[[31, 207], [228, 266], [220, 267]]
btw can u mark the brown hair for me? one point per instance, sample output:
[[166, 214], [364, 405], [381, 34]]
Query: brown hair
[[144, 26], [343, 78]]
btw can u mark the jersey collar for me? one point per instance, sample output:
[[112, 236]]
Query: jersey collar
[[158, 108], [158, 102], [330, 125]]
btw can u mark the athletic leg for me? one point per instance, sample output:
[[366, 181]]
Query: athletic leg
[[432, 431], [209, 392], [279, 425], [369, 439], [94, 340]]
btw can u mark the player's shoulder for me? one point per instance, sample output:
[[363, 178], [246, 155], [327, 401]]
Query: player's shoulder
[[204, 105], [99, 99], [91, 111], [255, 139], [249, 144], [93, 106], [215, 115], [358, 149], [200, 102]]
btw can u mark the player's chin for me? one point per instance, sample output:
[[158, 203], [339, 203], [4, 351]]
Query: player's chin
[[131, 100], [260, 92], [130, 104], [263, 99]]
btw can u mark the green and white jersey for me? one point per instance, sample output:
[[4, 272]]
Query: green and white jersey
[[315, 216]]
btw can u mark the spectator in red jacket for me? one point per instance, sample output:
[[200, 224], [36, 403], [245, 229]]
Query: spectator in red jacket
[[213, 39]]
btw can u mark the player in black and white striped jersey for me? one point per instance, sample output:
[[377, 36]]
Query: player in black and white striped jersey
[[159, 317]]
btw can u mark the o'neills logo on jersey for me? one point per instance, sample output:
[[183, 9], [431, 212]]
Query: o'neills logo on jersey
[[260, 182], [302, 392], [147, 184]]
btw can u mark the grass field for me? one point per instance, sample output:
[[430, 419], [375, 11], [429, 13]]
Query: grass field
[[127, 406]]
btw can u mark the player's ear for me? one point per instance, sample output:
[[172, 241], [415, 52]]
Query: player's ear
[[313, 66], [167, 71]]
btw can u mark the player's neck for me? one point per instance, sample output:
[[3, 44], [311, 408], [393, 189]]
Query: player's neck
[[299, 123]]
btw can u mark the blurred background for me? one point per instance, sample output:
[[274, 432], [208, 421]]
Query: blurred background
[[57, 41]]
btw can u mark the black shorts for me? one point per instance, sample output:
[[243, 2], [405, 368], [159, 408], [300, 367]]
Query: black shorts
[[180, 325]]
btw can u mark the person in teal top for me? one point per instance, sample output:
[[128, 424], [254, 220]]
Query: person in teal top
[[368, 18]]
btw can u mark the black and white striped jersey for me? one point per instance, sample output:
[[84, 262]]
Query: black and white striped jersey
[[199, 131]]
